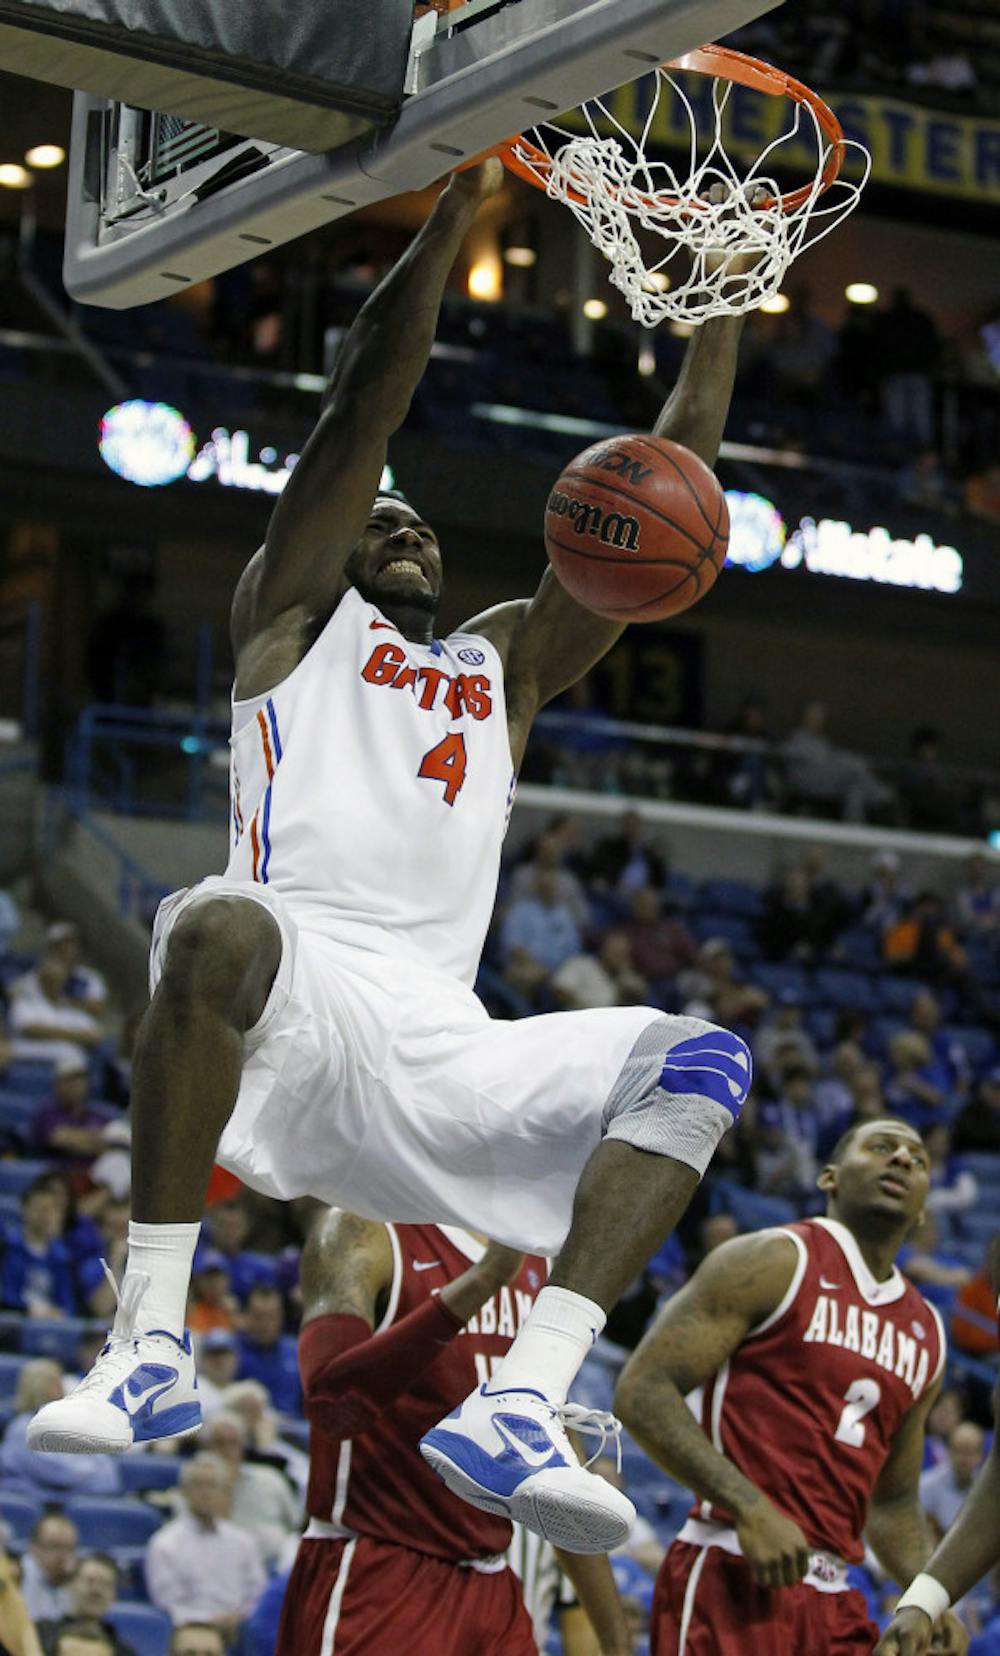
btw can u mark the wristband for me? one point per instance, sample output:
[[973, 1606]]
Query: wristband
[[926, 1594]]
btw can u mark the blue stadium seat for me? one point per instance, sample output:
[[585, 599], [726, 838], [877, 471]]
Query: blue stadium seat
[[10, 1209], [16, 1176], [750, 1209], [821, 1023], [983, 1163], [731, 897], [846, 991], [781, 977], [20, 1513], [736, 931], [979, 1224], [57, 1337], [978, 1045], [859, 950], [679, 891], [114, 1523], [11, 1324], [140, 1471], [897, 994], [144, 1627], [30, 1075], [10, 1368]]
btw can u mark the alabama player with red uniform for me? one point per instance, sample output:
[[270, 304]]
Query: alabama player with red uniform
[[400, 1321], [819, 1364]]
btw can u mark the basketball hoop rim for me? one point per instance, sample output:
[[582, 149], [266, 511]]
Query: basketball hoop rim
[[530, 163]]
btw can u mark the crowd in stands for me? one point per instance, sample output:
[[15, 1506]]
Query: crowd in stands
[[855, 1003]]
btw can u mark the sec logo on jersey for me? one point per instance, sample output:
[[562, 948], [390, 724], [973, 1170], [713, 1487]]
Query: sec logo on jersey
[[471, 657]]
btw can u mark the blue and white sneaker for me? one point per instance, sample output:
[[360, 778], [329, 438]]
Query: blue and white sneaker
[[141, 1387], [507, 1452]]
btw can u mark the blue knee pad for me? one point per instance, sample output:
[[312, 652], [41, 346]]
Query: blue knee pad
[[682, 1086]]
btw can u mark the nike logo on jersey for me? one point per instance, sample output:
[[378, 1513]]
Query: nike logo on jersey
[[426, 1264], [831, 1287]]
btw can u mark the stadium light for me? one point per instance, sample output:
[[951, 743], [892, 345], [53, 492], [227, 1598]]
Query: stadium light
[[521, 257], [43, 156], [594, 309], [861, 293], [777, 305], [13, 176], [486, 279]]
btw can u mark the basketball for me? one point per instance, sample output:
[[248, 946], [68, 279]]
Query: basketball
[[637, 528]]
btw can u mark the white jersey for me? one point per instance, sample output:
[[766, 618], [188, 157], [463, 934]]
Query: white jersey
[[372, 787]]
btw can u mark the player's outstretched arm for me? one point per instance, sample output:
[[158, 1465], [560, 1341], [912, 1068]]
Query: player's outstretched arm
[[350, 1374], [319, 517], [735, 1289], [552, 641]]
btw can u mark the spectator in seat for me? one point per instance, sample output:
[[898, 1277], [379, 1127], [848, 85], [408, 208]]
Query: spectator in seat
[[973, 1316], [86, 987], [906, 351], [819, 774], [17, 1635], [608, 978], [261, 1502], [45, 1022], [218, 1361], [83, 1638], [925, 1259], [70, 1128], [629, 859], [785, 1164], [537, 935], [112, 1166], [781, 1041], [787, 929], [10, 920], [267, 1353], [913, 1089], [200, 1566], [212, 1304], [978, 1126], [929, 795], [749, 779], [952, 1191], [48, 1566], [264, 1445], [37, 1272], [228, 1225], [93, 1590], [943, 1488], [550, 853], [923, 943], [947, 1413], [197, 1639], [949, 1062], [885, 898], [977, 902], [713, 983], [49, 1477], [661, 944]]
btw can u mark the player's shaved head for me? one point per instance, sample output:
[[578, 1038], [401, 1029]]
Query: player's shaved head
[[845, 1141]]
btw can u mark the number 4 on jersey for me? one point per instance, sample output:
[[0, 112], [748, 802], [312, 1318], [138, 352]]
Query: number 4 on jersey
[[446, 763]]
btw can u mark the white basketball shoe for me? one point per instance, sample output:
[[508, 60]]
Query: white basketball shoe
[[507, 1452], [142, 1386]]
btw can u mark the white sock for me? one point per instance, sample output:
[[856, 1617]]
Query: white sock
[[546, 1355], [165, 1253]]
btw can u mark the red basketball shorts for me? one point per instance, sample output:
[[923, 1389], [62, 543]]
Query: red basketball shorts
[[707, 1603], [369, 1598]]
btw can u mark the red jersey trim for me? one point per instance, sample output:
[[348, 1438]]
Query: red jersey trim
[[396, 1286]]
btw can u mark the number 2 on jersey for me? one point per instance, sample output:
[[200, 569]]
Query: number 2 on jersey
[[446, 763], [859, 1400]]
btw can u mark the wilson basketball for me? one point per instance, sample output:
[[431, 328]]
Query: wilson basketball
[[637, 528]]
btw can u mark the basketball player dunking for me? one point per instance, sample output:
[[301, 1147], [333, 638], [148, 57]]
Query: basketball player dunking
[[312, 1017], [399, 1321], [820, 1364]]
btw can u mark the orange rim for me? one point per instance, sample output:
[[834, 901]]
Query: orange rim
[[523, 158]]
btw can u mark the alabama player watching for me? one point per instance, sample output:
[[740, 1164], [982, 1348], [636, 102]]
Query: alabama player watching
[[969, 1550], [313, 1017], [399, 1322], [820, 1364]]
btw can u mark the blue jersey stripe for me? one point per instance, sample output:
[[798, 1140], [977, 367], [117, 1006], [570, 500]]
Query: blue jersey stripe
[[266, 835], [272, 719]]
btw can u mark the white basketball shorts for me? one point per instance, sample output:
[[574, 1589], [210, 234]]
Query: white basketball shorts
[[381, 1085]]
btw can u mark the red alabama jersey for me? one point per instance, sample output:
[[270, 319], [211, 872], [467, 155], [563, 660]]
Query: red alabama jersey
[[807, 1407], [378, 1484]]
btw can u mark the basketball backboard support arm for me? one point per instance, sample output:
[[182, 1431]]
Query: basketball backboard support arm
[[467, 88]]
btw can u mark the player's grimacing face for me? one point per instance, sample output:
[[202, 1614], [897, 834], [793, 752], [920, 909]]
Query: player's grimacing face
[[397, 560], [885, 1169]]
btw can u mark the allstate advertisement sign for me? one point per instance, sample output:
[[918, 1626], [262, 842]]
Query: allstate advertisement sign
[[152, 444], [759, 538]]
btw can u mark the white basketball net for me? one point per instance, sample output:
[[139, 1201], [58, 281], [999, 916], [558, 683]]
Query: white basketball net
[[705, 213]]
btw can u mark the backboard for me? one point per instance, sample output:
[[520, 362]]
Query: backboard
[[157, 202]]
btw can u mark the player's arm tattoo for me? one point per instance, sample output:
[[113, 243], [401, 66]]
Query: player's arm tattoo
[[346, 1267], [319, 516], [736, 1287]]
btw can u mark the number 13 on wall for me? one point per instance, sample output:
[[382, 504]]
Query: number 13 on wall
[[446, 763]]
